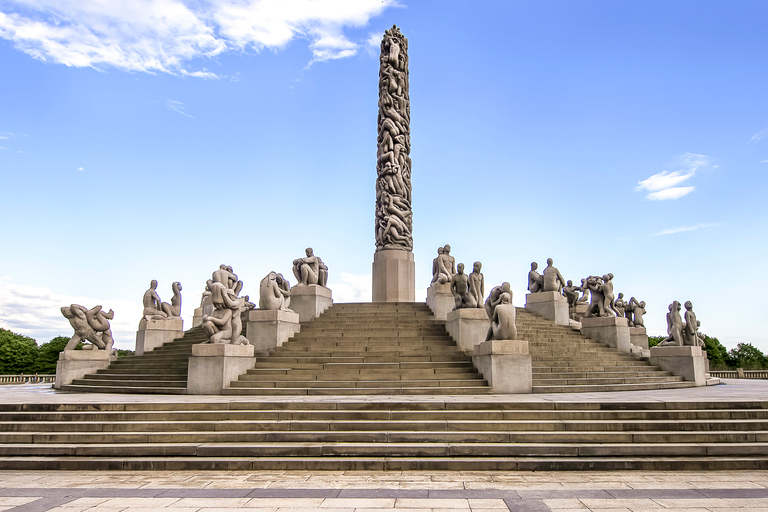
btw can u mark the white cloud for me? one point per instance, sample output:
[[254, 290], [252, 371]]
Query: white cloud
[[178, 107], [162, 35], [3, 147], [663, 185], [764, 162], [759, 135], [352, 288], [80, 169], [373, 44], [35, 312], [7, 135], [672, 231]]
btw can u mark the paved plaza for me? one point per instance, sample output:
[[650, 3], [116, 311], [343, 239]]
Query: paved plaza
[[361, 491]]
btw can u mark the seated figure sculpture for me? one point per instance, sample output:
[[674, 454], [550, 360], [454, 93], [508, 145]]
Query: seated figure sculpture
[[503, 321], [493, 300], [620, 306], [153, 309], [552, 280], [535, 281], [477, 284], [310, 270], [173, 310], [89, 325], [274, 292], [460, 289], [443, 266], [584, 291], [571, 293], [247, 304], [674, 327]]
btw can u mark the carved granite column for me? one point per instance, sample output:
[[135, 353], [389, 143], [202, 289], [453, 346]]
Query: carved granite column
[[393, 264]]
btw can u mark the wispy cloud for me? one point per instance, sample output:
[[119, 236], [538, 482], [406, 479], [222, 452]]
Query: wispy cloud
[[759, 135], [80, 169], [35, 311], [178, 107], [7, 135], [663, 186], [165, 35], [352, 288], [672, 231], [764, 162]]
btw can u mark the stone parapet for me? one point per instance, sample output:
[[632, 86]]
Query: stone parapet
[[440, 300], [76, 364], [506, 365], [310, 301], [468, 327], [394, 276], [156, 333], [268, 329], [550, 305], [690, 363], [213, 366], [611, 330], [638, 337]]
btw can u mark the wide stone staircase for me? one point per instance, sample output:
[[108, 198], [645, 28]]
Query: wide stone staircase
[[163, 370], [366, 349], [415, 433]]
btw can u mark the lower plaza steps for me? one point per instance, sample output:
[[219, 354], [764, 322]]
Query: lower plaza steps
[[418, 433]]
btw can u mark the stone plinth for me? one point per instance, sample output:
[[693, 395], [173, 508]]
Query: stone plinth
[[690, 363], [506, 365], [440, 300], [394, 276], [468, 327], [267, 329], [76, 364], [579, 311], [638, 336], [213, 366], [309, 301], [550, 305], [156, 333], [611, 330], [197, 317]]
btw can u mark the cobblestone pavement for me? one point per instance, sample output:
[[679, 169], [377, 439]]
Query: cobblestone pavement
[[303, 491]]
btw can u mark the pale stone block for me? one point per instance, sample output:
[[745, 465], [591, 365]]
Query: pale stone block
[[197, 317], [690, 363], [309, 301], [156, 333], [213, 366], [506, 365], [394, 276], [268, 329], [440, 300], [76, 364], [550, 305], [580, 311], [468, 327], [639, 337], [611, 330]]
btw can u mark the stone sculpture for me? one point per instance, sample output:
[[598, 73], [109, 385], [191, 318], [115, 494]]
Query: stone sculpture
[[173, 310], [224, 324], [493, 300], [552, 280], [596, 297], [153, 308], [584, 291], [607, 289], [444, 266], [89, 325], [620, 306], [637, 310], [460, 289], [503, 321], [691, 326], [571, 293], [247, 304], [394, 219], [477, 285], [535, 281], [674, 327], [310, 270], [274, 292]]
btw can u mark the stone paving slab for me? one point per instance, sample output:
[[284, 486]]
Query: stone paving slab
[[360, 491]]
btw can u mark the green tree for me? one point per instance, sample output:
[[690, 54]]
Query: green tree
[[48, 355], [717, 354], [17, 353], [655, 340], [746, 356]]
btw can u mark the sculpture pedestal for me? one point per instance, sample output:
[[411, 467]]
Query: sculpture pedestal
[[76, 364], [550, 305], [309, 301], [197, 317], [440, 300], [638, 336], [213, 366], [394, 276], [579, 311], [506, 365], [611, 330], [156, 333], [267, 329], [468, 327], [690, 363]]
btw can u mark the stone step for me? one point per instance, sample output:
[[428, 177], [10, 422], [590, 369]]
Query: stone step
[[612, 387], [586, 381], [288, 375], [91, 380], [358, 383], [124, 389], [439, 390]]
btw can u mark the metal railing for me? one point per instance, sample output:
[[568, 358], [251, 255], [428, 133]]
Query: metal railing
[[739, 373], [22, 379]]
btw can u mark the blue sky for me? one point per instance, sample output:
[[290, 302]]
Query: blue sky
[[156, 139]]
